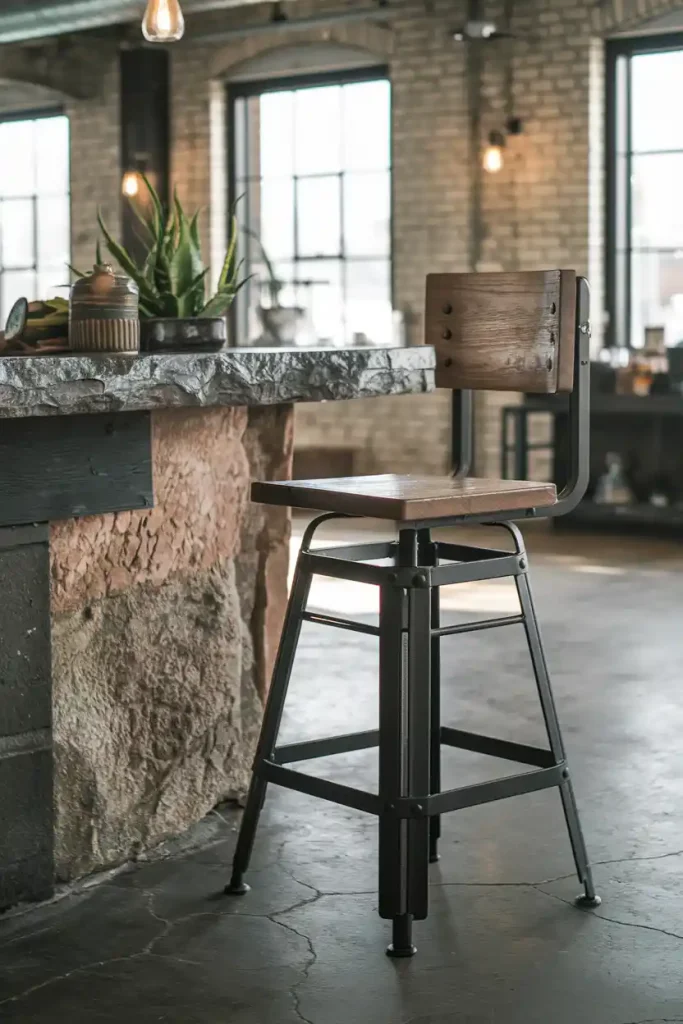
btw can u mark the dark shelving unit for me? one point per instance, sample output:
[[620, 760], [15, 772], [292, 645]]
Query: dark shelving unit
[[646, 431], [591, 513]]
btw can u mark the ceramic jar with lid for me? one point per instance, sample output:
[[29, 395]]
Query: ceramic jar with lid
[[103, 313]]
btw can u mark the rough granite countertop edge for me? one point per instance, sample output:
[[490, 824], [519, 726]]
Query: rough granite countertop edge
[[82, 383]]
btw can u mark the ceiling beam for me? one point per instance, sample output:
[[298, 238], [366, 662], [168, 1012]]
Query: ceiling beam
[[68, 65], [34, 19]]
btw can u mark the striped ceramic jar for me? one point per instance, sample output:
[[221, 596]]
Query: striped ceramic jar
[[103, 313]]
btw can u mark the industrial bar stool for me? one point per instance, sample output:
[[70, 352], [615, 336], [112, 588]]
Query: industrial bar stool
[[519, 332]]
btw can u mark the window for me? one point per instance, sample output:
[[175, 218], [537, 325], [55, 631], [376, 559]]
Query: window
[[34, 208], [645, 197], [311, 161]]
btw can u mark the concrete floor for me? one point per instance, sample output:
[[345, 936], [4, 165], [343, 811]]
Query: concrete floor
[[503, 942]]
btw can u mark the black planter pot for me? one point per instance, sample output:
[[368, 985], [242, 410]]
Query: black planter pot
[[180, 334]]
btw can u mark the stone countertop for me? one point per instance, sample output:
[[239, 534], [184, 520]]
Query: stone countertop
[[63, 385]]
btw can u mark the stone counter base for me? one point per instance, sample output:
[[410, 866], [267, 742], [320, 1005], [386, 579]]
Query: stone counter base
[[164, 625]]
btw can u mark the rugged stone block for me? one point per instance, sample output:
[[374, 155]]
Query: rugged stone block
[[201, 491], [164, 629], [148, 694]]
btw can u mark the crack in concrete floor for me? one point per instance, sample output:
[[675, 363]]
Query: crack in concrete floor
[[169, 924], [629, 771], [595, 912], [657, 1020]]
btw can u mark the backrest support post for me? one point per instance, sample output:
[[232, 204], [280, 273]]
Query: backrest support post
[[462, 433], [579, 410]]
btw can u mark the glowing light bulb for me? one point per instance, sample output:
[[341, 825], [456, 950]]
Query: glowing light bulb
[[163, 21], [130, 185], [492, 160]]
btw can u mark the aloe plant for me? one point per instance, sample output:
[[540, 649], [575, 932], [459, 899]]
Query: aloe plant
[[172, 279]]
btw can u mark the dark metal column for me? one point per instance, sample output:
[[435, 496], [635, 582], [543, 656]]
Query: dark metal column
[[145, 131]]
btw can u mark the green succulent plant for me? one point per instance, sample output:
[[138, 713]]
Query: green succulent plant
[[172, 279]]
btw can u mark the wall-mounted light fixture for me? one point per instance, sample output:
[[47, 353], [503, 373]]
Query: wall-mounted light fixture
[[492, 158], [163, 22], [131, 182]]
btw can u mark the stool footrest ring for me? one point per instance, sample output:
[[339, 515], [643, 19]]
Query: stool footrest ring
[[307, 749], [322, 788], [481, 793], [478, 744], [416, 806]]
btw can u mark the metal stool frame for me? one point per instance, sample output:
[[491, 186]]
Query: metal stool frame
[[410, 802]]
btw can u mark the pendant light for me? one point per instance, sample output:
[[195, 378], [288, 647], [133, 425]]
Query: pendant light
[[163, 22]]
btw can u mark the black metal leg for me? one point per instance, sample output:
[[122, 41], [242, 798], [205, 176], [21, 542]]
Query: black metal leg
[[588, 897], [435, 759], [402, 937], [272, 718], [393, 849], [419, 745], [431, 558], [404, 750]]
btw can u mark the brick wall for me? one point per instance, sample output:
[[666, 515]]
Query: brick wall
[[544, 209], [95, 159], [430, 219]]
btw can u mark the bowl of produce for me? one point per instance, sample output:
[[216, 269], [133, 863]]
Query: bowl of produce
[[34, 328]]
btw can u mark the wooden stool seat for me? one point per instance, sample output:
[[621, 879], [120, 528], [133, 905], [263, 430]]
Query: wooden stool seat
[[407, 498]]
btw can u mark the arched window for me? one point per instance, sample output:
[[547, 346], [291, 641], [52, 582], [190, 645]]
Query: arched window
[[310, 157]]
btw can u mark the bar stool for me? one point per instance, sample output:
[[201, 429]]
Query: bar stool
[[524, 332]]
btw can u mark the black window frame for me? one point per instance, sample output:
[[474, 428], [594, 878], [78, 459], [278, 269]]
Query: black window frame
[[257, 87], [618, 216], [32, 114]]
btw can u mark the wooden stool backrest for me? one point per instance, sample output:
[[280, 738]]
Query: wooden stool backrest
[[503, 331]]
